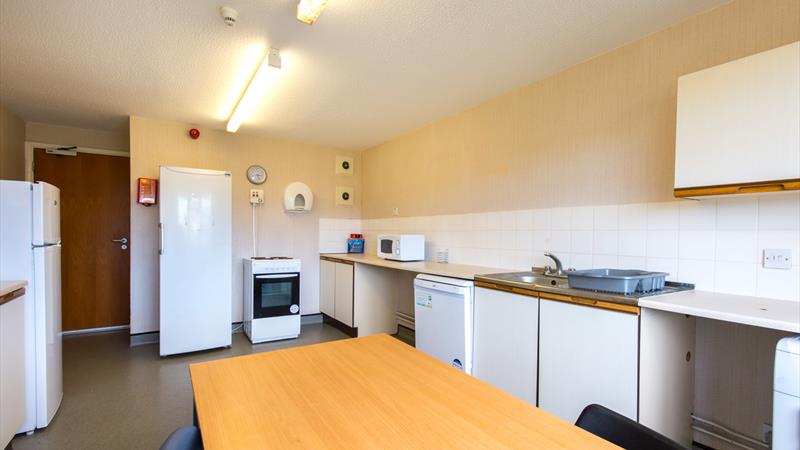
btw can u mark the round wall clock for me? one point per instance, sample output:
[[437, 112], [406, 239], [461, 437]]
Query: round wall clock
[[256, 174]]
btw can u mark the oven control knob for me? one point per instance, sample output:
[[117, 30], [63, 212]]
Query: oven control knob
[[294, 309]]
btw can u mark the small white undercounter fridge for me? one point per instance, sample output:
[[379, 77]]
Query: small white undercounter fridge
[[786, 400], [443, 309]]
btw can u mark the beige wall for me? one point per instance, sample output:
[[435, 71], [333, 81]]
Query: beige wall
[[155, 143], [44, 133], [12, 146], [600, 132]]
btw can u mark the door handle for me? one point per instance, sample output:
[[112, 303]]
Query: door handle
[[120, 241], [160, 238]]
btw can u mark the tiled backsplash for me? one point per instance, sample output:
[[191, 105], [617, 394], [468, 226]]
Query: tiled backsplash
[[715, 243], [333, 234]]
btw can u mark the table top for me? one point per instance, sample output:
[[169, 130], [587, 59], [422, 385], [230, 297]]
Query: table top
[[462, 271], [372, 391], [756, 311]]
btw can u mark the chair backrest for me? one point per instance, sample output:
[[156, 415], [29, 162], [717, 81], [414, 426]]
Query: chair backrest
[[184, 438], [622, 431]]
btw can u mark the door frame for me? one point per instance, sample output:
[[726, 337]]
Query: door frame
[[30, 145]]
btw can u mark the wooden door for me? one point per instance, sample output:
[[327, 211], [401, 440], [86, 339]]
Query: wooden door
[[95, 210]]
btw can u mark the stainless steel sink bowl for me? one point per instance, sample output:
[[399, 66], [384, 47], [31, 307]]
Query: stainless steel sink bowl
[[531, 278]]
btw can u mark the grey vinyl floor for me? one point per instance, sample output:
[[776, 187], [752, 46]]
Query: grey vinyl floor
[[122, 397]]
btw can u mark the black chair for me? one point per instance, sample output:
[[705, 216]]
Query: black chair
[[623, 431], [184, 438]]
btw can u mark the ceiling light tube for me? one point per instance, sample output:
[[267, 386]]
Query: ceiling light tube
[[266, 72], [308, 11]]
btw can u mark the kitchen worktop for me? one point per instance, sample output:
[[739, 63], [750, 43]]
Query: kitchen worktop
[[756, 311], [8, 290], [461, 271]]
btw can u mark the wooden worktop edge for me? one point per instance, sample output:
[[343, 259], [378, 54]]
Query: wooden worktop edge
[[11, 295], [336, 260]]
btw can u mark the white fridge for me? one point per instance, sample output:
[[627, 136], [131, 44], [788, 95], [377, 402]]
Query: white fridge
[[30, 250], [195, 259], [443, 312]]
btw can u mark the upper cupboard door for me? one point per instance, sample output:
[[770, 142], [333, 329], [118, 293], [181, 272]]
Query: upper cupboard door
[[739, 122]]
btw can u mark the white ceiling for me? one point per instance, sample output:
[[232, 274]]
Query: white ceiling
[[367, 71]]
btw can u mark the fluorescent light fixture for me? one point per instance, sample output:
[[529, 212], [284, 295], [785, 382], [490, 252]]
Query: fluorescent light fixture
[[308, 11], [267, 71]]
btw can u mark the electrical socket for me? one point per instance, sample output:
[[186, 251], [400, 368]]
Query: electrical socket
[[256, 196], [780, 258]]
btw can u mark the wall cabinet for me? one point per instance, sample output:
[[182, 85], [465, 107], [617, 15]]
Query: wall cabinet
[[336, 291], [506, 341], [587, 355], [738, 126], [12, 368]]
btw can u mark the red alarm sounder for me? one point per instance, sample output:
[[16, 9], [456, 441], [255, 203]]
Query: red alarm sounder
[[194, 133]]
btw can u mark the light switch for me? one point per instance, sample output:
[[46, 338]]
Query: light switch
[[256, 196], [780, 258]]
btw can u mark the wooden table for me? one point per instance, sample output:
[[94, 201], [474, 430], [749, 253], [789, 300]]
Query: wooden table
[[369, 392]]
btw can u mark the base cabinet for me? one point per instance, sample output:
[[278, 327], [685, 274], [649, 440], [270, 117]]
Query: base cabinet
[[12, 369], [587, 355], [506, 341], [336, 291]]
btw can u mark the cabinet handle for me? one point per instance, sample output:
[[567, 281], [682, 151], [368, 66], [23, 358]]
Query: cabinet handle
[[160, 238], [761, 188]]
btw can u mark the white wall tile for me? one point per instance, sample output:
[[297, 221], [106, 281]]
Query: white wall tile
[[525, 240], [606, 242], [633, 216], [735, 278], [580, 261], [582, 241], [737, 246], [698, 215], [632, 262], [560, 241], [561, 218], [777, 283], [541, 219], [494, 220], [663, 216], [668, 265], [697, 244], [633, 243], [541, 240], [700, 273], [582, 218], [508, 220], [606, 217], [662, 243], [524, 219], [605, 261], [740, 213], [779, 212]]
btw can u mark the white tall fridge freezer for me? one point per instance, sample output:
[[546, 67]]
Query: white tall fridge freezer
[[30, 250], [195, 259]]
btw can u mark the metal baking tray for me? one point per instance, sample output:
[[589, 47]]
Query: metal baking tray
[[616, 280]]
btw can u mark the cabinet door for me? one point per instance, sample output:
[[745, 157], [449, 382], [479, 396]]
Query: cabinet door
[[587, 355], [739, 122], [12, 369], [327, 287], [344, 294], [505, 341]]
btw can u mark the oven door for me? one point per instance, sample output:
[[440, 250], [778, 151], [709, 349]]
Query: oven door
[[276, 295]]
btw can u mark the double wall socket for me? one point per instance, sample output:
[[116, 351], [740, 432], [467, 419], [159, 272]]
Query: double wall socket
[[777, 258]]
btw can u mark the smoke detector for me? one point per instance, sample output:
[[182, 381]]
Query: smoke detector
[[229, 15]]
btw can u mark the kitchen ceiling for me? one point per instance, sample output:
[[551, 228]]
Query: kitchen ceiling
[[365, 72]]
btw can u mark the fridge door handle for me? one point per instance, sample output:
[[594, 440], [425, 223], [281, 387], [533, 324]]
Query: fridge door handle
[[160, 238]]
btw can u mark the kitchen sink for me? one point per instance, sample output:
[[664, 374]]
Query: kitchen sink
[[533, 279]]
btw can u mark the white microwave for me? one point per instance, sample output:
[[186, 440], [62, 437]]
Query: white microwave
[[402, 247]]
